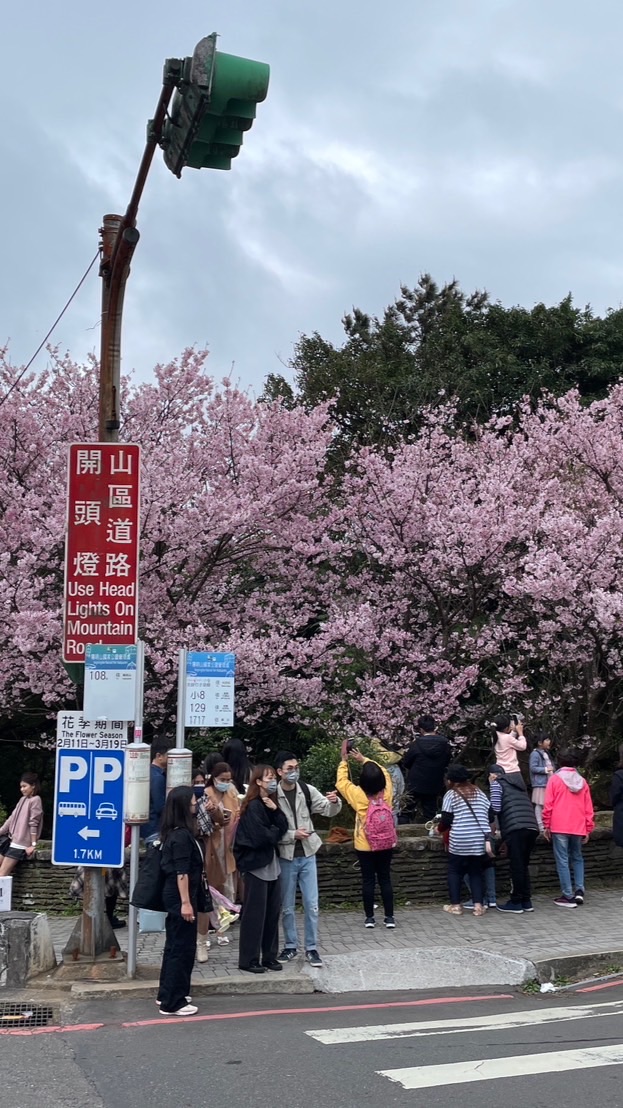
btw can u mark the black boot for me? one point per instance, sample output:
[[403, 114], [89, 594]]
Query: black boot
[[111, 903]]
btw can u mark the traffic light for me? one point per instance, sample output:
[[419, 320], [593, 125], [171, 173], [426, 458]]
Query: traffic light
[[214, 104]]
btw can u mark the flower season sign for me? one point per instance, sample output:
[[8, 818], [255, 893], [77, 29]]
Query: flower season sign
[[101, 550]]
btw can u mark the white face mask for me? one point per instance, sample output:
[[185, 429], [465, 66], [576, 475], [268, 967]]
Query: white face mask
[[222, 786], [293, 776], [270, 786]]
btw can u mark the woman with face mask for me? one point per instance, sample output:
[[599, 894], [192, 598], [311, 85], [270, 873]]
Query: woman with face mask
[[183, 896], [260, 827], [222, 802]]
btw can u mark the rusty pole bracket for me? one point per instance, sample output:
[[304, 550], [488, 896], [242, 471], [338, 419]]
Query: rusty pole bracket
[[118, 240]]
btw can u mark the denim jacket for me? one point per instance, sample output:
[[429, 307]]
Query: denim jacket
[[538, 774]]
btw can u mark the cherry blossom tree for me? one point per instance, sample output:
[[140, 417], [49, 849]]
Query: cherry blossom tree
[[455, 574], [232, 502], [485, 573]]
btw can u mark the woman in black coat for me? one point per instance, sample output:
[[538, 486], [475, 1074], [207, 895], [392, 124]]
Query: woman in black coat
[[183, 895], [426, 762], [262, 824]]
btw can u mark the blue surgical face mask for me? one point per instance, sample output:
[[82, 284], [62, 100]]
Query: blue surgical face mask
[[222, 786], [270, 786], [293, 776]]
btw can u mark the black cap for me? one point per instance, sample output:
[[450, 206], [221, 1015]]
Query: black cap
[[458, 773]]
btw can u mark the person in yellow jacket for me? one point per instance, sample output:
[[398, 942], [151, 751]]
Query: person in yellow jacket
[[375, 864]]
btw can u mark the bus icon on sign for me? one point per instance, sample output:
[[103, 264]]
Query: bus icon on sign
[[72, 808]]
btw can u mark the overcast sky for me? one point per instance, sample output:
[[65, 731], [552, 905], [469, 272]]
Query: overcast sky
[[472, 138]]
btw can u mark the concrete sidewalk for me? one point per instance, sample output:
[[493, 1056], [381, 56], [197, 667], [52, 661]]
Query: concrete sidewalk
[[428, 949]]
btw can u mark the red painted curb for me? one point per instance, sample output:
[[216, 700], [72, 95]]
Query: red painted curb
[[164, 1020]]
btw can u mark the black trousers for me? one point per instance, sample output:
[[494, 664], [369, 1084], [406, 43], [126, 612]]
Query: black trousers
[[520, 844], [376, 866], [178, 959], [259, 921]]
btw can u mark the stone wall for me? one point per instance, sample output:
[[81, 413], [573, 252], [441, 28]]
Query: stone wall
[[419, 870], [419, 873], [38, 886]]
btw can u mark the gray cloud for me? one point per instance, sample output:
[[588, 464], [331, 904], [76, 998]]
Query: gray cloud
[[472, 140]]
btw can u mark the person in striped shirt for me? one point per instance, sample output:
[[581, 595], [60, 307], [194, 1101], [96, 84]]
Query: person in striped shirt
[[467, 817]]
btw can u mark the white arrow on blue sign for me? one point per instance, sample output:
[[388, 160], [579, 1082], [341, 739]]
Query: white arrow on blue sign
[[89, 792]]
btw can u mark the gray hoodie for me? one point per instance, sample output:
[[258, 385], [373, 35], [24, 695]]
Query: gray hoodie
[[572, 779]]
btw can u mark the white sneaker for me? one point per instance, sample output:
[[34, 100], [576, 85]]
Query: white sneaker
[[202, 950], [188, 1000], [187, 1010]]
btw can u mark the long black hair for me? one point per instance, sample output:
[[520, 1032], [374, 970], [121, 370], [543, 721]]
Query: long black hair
[[177, 812], [235, 754], [211, 760]]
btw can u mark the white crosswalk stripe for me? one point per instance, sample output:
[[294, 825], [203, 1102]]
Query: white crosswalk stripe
[[486, 1069], [520, 1065], [504, 1020]]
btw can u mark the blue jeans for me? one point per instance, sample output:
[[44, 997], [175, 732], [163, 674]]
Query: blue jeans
[[302, 872], [568, 857]]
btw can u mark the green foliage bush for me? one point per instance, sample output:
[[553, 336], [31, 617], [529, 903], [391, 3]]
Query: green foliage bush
[[319, 767]]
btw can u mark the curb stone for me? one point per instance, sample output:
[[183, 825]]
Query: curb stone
[[576, 965], [259, 985]]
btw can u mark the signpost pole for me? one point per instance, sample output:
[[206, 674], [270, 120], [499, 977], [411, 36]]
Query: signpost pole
[[88, 820], [136, 829], [181, 698]]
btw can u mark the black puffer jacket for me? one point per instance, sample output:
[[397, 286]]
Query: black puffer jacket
[[517, 812], [259, 830]]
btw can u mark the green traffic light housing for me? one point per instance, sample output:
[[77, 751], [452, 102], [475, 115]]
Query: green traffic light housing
[[214, 104]]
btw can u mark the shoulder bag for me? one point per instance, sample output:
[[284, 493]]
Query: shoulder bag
[[494, 847]]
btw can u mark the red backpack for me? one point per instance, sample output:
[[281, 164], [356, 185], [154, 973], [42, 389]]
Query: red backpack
[[380, 827]]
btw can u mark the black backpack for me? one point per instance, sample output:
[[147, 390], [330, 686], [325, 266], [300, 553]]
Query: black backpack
[[147, 892], [308, 799]]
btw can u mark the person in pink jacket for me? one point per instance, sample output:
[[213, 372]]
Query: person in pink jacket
[[568, 820], [509, 738], [22, 829]]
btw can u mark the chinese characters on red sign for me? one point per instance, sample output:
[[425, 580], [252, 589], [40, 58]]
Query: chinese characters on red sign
[[101, 552]]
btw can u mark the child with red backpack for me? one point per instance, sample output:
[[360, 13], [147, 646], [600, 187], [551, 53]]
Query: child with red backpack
[[375, 831]]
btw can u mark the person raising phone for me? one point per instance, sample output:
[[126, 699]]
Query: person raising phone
[[509, 738]]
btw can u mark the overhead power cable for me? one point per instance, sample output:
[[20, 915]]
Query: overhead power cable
[[56, 322]]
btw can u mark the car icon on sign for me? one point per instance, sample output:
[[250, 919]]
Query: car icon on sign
[[106, 811]]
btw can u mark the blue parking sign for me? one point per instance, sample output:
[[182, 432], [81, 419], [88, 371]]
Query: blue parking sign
[[89, 792]]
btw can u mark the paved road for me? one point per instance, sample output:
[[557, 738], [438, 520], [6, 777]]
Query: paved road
[[399, 1050]]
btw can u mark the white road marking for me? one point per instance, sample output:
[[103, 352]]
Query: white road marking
[[500, 1022], [492, 1069]]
